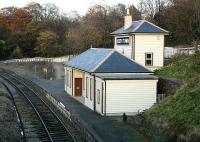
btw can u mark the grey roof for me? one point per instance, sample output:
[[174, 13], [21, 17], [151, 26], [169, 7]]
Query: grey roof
[[101, 60], [128, 77], [118, 63], [89, 59], [141, 26]]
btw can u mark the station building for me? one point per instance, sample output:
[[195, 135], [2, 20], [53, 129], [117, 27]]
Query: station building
[[141, 41], [119, 80], [110, 83]]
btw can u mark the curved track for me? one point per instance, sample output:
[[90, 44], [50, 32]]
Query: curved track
[[47, 126]]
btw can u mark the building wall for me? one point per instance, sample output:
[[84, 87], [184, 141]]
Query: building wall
[[149, 43], [129, 96], [124, 49], [89, 100], [100, 87], [68, 88], [143, 43]]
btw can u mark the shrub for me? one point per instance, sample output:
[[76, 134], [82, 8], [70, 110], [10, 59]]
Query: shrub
[[124, 117]]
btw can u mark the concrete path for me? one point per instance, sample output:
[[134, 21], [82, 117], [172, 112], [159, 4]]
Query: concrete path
[[98, 125]]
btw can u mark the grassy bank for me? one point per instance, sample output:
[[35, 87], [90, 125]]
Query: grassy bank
[[179, 114]]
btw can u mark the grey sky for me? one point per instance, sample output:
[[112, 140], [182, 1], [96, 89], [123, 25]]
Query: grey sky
[[68, 5]]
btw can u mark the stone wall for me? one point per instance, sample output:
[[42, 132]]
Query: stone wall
[[167, 86]]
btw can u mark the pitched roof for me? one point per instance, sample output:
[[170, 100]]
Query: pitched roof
[[89, 59], [100, 60], [141, 26]]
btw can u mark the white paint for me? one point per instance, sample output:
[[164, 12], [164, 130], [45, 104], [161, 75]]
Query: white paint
[[169, 52], [124, 49], [88, 102], [149, 43], [129, 96], [100, 86], [144, 43], [68, 88]]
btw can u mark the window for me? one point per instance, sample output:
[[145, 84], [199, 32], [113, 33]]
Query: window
[[91, 89], [149, 59], [123, 41], [83, 83], [70, 78], [87, 87], [98, 96], [67, 78]]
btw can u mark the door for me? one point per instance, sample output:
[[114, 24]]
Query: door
[[78, 86]]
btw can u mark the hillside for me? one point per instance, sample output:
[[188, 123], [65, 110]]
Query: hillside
[[179, 114]]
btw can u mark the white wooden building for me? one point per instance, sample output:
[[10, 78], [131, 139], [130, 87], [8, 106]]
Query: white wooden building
[[109, 83], [141, 41]]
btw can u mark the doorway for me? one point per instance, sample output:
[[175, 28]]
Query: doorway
[[78, 86]]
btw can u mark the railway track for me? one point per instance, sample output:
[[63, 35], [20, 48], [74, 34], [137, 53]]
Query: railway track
[[39, 122]]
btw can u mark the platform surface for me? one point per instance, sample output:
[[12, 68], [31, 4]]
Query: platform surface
[[100, 126]]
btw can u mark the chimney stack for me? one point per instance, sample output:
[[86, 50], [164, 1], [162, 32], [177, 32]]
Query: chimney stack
[[127, 19]]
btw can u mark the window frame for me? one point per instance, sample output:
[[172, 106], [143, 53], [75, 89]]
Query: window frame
[[70, 79], [91, 90], [149, 59], [86, 87], [98, 96], [67, 78]]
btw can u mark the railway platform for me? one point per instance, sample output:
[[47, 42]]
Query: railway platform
[[99, 126]]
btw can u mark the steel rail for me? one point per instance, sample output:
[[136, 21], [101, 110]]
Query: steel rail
[[40, 118], [21, 81], [17, 111]]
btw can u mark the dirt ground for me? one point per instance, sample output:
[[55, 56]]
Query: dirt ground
[[9, 126]]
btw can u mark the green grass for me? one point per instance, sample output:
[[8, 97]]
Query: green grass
[[131, 132], [179, 67], [179, 114]]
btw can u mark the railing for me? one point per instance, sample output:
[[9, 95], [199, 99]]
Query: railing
[[64, 110], [41, 59]]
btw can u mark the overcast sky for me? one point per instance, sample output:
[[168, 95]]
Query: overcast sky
[[68, 5]]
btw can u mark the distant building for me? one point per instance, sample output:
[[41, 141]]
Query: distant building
[[141, 41], [171, 51], [109, 83]]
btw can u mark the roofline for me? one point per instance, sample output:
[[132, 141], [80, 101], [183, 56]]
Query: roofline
[[128, 78], [135, 62], [124, 72], [139, 25], [135, 33], [104, 72], [98, 65], [121, 72], [165, 31], [156, 26], [78, 69]]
